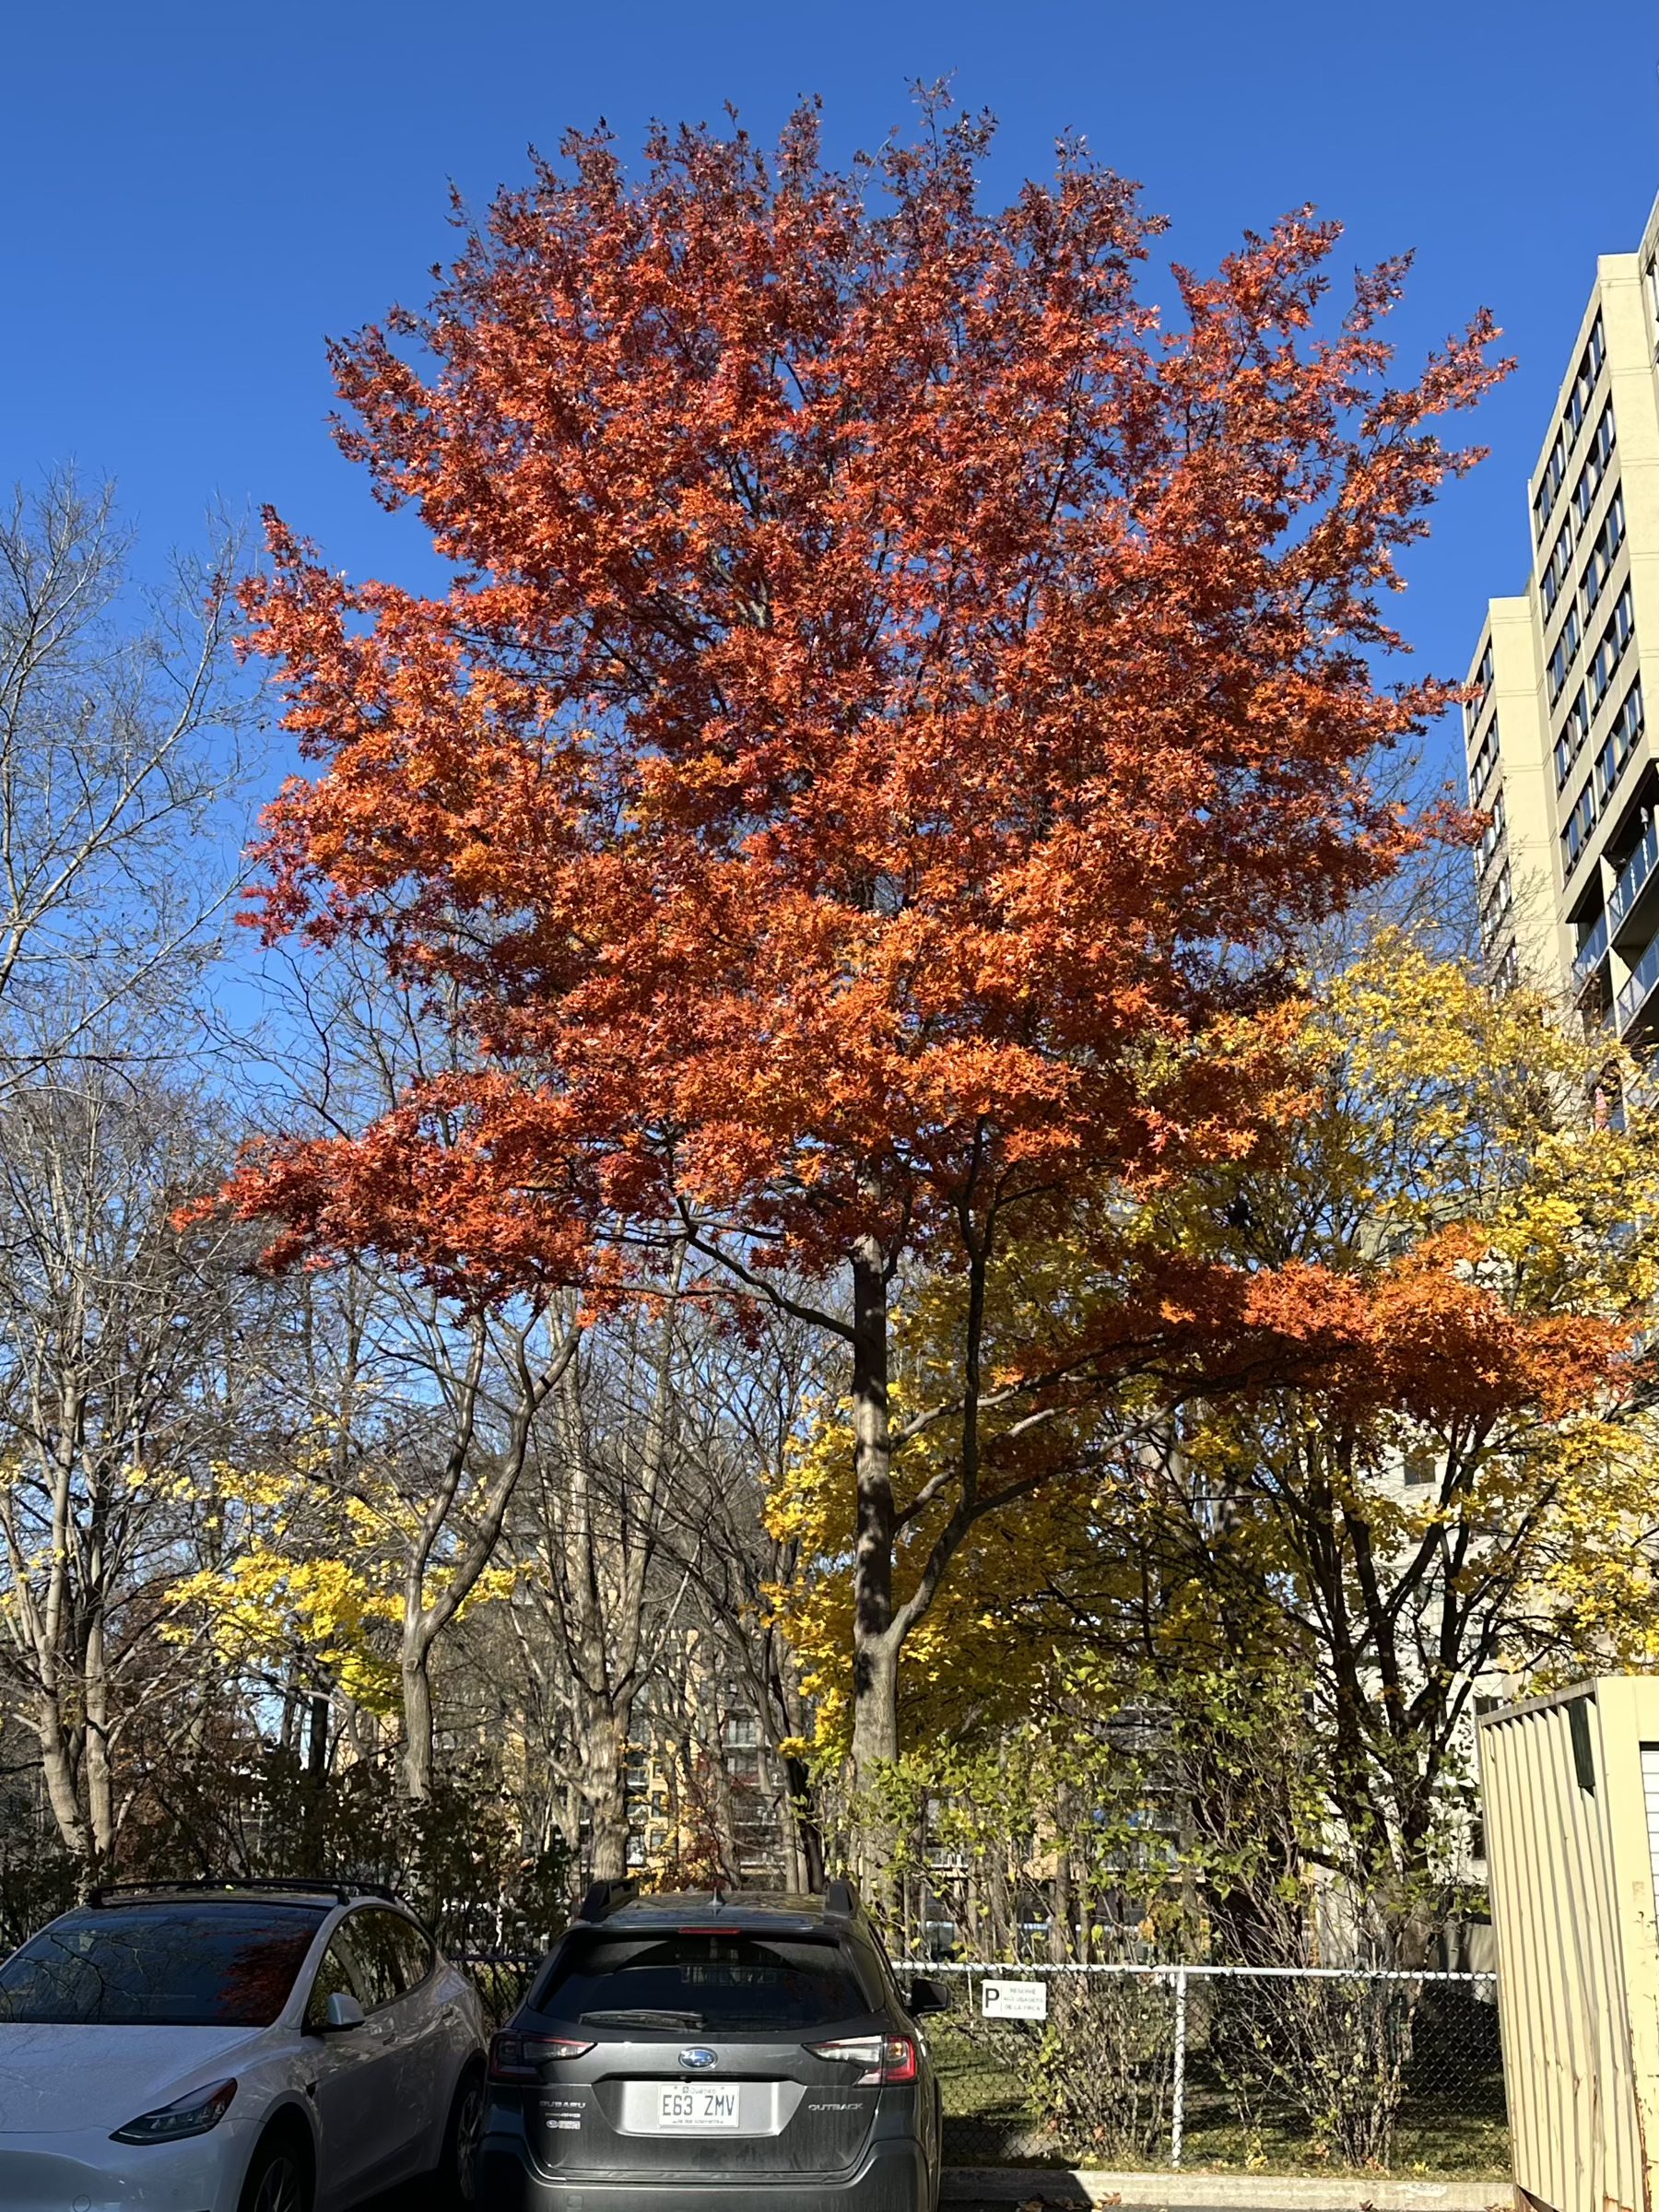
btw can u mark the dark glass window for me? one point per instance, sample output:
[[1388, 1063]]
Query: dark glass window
[[697, 1982], [336, 1976], [221, 1966], [418, 1954], [391, 1956]]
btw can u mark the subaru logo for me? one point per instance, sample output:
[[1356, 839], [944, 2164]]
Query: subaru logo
[[699, 2058]]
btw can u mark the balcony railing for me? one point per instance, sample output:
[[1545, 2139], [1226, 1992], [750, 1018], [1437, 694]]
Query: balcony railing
[[1642, 978], [1637, 868], [1591, 953]]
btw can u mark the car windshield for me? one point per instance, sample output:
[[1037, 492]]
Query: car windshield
[[674, 1981], [214, 1966]]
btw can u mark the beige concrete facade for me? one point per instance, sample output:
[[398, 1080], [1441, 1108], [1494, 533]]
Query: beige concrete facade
[[1558, 751]]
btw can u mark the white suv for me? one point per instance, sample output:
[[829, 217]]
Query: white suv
[[256, 2047]]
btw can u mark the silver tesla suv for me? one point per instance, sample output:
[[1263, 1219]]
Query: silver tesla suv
[[683, 2051]]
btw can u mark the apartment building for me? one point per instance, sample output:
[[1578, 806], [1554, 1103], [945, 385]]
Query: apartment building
[[1559, 754]]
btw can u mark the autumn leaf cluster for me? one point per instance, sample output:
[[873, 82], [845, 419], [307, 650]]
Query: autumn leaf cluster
[[889, 685]]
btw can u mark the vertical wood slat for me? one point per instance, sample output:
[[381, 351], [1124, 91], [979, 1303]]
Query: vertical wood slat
[[1574, 1857]]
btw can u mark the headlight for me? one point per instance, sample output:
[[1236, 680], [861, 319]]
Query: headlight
[[192, 2114]]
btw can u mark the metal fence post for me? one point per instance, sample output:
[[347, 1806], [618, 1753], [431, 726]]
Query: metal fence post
[[1178, 2089]]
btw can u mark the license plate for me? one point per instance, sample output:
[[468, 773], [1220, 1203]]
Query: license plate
[[683, 2107]]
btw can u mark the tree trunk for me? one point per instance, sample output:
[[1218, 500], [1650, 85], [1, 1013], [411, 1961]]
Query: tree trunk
[[875, 1654], [808, 1840], [57, 1767], [101, 1781], [417, 1763], [316, 1746], [603, 1778], [1060, 1917]]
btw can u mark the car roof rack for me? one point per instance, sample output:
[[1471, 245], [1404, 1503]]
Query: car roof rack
[[606, 1898], [231, 1884]]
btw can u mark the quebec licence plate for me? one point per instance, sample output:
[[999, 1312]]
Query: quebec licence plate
[[682, 2106]]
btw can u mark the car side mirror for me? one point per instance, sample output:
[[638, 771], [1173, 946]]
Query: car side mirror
[[344, 2011], [928, 1997]]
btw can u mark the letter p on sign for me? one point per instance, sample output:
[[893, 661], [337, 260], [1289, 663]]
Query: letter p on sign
[[1014, 2000]]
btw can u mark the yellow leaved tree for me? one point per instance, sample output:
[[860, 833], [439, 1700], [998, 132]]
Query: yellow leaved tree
[[1413, 1465]]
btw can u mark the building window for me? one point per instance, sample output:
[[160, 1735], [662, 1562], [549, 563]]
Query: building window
[[1565, 653], [1603, 553], [1420, 1466], [1609, 764], [1619, 743], [1596, 465], [1579, 823], [1549, 485], [1497, 905], [1492, 836], [1584, 383], [1482, 682], [1610, 650], [1485, 761], [1574, 730], [1560, 562]]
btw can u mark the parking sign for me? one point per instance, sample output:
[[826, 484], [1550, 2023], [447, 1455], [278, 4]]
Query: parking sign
[[1014, 2000]]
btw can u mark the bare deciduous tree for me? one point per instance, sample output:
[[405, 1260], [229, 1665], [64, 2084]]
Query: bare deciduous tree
[[120, 753]]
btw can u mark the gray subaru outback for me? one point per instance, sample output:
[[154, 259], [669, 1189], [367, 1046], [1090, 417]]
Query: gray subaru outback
[[686, 2051]]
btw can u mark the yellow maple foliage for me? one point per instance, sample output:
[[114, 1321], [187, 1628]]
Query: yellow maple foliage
[[1438, 1116]]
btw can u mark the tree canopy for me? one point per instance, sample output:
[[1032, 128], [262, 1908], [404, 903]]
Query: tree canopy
[[896, 703]]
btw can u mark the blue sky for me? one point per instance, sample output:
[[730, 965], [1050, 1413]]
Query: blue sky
[[194, 197]]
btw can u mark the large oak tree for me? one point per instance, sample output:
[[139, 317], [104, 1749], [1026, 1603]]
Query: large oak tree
[[895, 702]]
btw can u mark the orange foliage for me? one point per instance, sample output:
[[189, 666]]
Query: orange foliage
[[885, 680]]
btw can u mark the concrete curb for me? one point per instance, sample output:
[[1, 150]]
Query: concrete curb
[[1081, 2186]]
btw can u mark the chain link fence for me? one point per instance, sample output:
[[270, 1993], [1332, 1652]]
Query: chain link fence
[[1280, 2070], [502, 1980], [1284, 2070]]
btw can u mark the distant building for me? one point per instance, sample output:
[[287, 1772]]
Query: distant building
[[1558, 748]]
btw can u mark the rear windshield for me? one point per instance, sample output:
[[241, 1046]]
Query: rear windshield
[[703, 1983], [224, 1966]]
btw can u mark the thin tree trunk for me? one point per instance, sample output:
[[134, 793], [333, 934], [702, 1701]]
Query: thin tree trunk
[[807, 1836], [603, 1590], [426, 1619], [100, 1791], [875, 1656], [416, 1762], [316, 1748], [57, 1767]]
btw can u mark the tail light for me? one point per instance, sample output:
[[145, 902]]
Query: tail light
[[898, 2058], [884, 2058], [522, 2057]]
